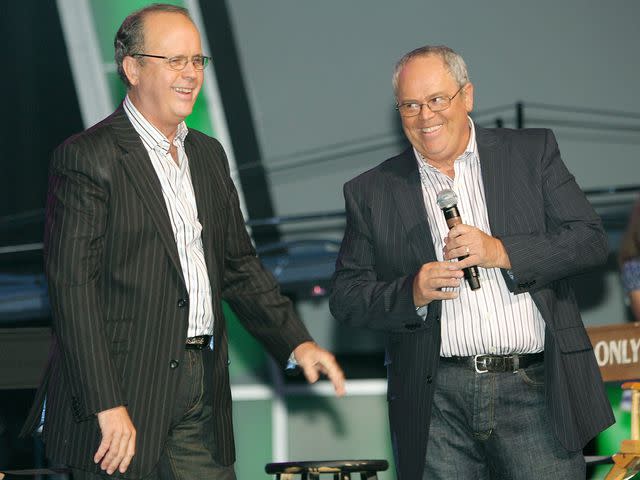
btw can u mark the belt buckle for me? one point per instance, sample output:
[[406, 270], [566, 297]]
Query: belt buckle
[[483, 362]]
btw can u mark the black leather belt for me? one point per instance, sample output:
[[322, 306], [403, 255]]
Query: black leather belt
[[198, 343], [496, 363]]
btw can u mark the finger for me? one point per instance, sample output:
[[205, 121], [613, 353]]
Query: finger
[[328, 365], [434, 280], [336, 376], [440, 295], [448, 282], [310, 373], [470, 261], [458, 230], [122, 452], [103, 448], [441, 269], [320, 368], [458, 252], [445, 295], [111, 455], [131, 451]]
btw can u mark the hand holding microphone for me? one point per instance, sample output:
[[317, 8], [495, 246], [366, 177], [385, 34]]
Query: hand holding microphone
[[448, 202]]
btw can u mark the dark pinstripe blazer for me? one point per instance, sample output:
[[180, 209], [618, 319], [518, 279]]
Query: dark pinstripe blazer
[[118, 297], [550, 233]]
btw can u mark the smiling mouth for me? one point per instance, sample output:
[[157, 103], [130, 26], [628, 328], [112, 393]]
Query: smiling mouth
[[183, 90], [435, 128]]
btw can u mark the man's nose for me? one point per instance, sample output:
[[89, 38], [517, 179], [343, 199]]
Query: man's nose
[[189, 70], [425, 111]]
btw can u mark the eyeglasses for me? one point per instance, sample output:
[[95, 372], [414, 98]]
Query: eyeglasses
[[435, 104], [179, 62]]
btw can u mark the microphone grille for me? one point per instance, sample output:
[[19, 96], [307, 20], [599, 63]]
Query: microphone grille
[[447, 198]]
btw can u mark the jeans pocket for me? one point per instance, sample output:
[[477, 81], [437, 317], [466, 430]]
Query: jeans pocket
[[533, 375]]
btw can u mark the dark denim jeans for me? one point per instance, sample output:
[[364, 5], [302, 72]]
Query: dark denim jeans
[[186, 456], [495, 426]]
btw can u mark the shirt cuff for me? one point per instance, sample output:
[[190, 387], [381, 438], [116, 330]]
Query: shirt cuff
[[422, 311], [292, 362]]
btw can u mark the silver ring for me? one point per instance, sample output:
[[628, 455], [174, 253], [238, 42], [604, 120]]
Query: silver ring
[[467, 249]]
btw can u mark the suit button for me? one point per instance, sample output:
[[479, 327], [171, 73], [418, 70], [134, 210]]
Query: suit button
[[429, 379], [183, 302], [173, 364]]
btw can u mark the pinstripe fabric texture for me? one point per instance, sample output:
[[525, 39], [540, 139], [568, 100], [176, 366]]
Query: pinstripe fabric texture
[[550, 233], [119, 300]]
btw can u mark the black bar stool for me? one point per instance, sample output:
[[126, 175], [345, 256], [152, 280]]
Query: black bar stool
[[340, 469]]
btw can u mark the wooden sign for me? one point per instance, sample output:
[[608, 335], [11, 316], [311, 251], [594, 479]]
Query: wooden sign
[[617, 350]]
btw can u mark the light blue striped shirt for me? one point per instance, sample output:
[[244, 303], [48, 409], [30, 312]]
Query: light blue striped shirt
[[492, 319]]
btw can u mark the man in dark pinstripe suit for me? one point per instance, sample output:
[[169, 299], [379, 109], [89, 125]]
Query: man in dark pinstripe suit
[[144, 237], [498, 382]]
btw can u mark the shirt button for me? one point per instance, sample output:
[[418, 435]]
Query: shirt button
[[183, 302], [173, 364], [429, 379]]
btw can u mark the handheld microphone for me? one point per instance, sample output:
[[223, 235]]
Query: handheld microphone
[[447, 201]]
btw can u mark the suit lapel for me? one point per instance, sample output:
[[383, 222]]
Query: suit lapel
[[202, 184], [406, 188], [138, 167], [496, 172]]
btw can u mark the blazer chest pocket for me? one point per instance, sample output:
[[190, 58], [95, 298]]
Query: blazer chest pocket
[[573, 339]]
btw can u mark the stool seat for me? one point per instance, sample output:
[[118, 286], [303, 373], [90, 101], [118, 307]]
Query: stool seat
[[341, 469]]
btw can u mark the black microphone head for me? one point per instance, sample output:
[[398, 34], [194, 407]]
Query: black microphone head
[[447, 198]]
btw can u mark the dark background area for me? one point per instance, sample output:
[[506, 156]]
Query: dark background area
[[40, 110]]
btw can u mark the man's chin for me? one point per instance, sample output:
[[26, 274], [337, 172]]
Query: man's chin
[[183, 113]]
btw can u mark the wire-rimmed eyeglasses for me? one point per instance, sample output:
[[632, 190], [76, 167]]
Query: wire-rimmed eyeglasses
[[179, 62], [435, 104]]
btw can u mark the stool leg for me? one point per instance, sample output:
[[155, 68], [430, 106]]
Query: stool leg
[[368, 475]]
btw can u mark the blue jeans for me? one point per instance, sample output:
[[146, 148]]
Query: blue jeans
[[187, 450], [495, 426]]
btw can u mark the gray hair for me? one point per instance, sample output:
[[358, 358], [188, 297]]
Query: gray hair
[[130, 36], [452, 60]]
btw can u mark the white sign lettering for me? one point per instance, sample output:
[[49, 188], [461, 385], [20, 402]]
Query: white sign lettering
[[617, 352]]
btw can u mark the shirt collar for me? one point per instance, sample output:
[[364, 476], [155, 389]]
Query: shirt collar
[[471, 150], [153, 138]]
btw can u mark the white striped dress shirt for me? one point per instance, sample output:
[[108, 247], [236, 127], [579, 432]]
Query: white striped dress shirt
[[490, 320], [179, 197]]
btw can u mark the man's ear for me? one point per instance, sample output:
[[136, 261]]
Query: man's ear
[[131, 68], [468, 97]]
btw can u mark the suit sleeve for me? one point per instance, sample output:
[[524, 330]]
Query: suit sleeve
[[358, 296], [573, 238], [76, 218], [253, 293]]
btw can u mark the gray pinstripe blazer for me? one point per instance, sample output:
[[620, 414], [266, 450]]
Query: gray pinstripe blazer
[[118, 297], [550, 233]]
